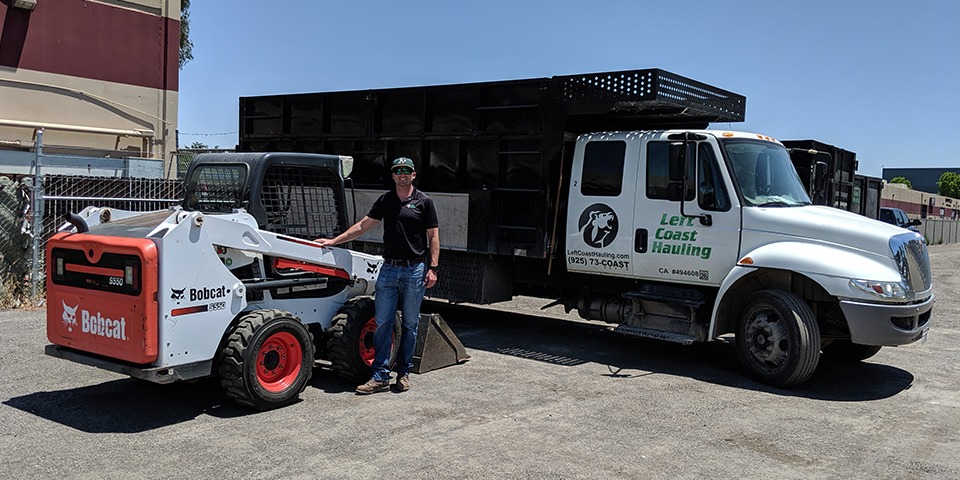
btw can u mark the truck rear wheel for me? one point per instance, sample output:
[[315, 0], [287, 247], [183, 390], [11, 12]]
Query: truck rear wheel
[[350, 341], [778, 340], [267, 360], [847, 351]]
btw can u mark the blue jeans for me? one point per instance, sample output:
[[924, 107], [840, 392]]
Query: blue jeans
[[406, 286]]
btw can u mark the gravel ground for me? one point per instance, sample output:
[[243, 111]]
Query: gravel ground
[[541, 397]]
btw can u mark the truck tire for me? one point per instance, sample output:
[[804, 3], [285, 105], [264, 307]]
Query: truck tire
[[847, 351], [267, 360], [350, 340], [778, 340]]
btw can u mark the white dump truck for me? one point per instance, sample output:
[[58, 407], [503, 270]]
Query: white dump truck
[[608, 194]]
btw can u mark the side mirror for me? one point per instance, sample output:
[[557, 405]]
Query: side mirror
[[675, 191], [678, 161], [915, 223]]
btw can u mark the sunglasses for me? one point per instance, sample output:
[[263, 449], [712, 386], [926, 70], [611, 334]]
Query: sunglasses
[[403, 171]]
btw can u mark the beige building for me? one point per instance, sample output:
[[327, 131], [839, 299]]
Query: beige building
[[99, 77], [919, 204]]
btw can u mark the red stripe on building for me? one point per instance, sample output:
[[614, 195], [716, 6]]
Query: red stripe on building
[[92, 40]]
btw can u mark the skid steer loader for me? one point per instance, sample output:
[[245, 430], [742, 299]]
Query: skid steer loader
[[228, 284]]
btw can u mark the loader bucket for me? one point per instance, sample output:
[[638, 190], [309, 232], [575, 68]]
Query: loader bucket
[[437, 345]]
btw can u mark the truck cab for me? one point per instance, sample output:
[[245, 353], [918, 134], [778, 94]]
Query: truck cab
[[717, 230]]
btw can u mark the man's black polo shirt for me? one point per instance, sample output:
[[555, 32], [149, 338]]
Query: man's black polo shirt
[[405, 224]]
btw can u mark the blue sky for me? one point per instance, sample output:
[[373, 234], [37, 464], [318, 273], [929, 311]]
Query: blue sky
[[880, 77]]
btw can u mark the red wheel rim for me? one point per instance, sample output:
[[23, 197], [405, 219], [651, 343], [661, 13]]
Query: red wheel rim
[[278, 362], [366, 349]]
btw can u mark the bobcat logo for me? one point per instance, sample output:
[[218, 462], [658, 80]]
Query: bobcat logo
[[69, 316], [177, 294], [598, 225], [371, 268]]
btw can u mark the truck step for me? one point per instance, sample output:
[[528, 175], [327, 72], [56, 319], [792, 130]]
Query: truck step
[[667, 295], [657, 334]]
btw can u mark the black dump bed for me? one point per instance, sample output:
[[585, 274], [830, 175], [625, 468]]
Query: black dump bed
[[504, 144], [838, 185]]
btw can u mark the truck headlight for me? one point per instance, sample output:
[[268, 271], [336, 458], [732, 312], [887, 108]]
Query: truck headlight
[[885, 290]]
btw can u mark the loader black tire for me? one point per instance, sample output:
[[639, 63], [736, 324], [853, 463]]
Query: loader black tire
[[847, 351], [778, 339], [267, 360], [350, 340]]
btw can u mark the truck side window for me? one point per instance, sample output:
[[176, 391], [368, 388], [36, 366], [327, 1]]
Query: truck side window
[[603, 168], [658, 171], [712, 195]]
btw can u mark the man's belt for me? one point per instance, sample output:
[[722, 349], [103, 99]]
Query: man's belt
[[403, 263]]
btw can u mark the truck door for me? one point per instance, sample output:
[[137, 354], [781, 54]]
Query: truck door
[[599, 236], [687, 248]]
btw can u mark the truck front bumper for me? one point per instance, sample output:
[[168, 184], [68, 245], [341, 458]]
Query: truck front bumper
[[884, 324]]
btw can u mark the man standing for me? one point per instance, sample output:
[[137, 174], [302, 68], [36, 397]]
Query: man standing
[[411, 251]]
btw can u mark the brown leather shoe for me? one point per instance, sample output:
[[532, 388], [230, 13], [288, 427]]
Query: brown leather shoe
[[373, 386], [403, 383]]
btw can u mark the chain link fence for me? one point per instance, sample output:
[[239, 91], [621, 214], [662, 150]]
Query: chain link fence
[[183, 157], [22, 278]]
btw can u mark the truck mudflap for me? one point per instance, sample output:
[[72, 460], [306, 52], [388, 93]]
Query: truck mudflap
[[101, 295], [151, 374], [891, 325]]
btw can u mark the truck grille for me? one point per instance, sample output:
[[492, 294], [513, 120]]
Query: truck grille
[[912, 259]]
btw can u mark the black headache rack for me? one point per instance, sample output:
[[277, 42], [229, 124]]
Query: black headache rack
[[499, 142]]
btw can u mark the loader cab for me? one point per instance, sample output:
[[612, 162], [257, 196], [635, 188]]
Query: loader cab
[[300, 195]]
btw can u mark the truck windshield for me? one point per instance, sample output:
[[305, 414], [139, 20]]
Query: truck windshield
[[764, 173]]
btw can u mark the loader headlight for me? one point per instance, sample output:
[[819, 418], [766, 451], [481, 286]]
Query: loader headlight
[[885, 290], [131, 275], [346, 165]]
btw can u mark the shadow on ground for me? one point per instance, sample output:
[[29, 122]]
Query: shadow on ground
[[564, 342], [132, 406]]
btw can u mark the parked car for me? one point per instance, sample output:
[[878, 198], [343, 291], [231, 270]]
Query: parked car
[[895, 216]]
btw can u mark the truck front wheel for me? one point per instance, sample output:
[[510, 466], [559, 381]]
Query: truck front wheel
[[267, 360], [350, 341], [778, 340]]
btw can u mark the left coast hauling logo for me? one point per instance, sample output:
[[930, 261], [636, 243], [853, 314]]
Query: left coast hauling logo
[[598, 224]]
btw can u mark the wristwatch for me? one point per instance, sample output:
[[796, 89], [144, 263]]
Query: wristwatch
[[435, 268]]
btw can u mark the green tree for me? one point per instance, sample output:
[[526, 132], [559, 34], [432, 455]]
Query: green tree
[[186, 46], [949, 185], [903, 180]]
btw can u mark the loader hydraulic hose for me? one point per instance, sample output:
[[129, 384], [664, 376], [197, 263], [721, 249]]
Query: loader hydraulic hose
[[79, 223], [289, 282]]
